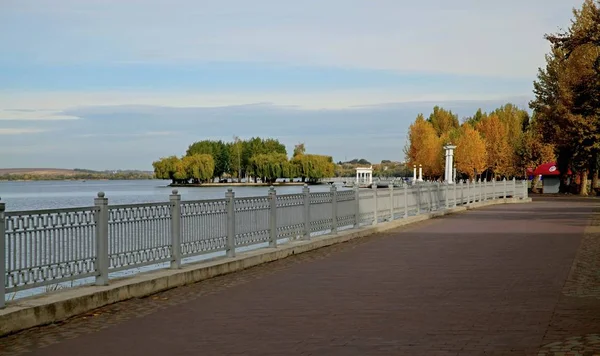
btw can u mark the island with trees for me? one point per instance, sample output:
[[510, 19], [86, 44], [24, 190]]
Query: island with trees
[[255, 161]]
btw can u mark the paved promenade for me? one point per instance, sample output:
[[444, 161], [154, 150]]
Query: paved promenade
[[494, 281]]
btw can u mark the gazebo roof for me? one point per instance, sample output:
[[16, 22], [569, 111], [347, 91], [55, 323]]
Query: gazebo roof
[[548, 169]]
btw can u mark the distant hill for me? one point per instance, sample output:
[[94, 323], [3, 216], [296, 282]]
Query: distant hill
[[60, 174], [38, 171]]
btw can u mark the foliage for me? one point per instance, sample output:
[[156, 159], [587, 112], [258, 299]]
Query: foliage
[[567, 95], [425, 147], [311, 167], [198, 167], [470, 153], [270, 166], [498, 150], [218, 150]]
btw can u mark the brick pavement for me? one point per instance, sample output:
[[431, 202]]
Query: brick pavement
[[486, 282]]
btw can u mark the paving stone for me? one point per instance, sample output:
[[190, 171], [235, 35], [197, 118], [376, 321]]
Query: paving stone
[[485, 282]]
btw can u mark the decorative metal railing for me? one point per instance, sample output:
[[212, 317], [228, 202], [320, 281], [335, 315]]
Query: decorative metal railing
[[46, 247]]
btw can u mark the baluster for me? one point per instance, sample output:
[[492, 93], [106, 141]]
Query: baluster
[[334, 222], [306, 192], [230, 243], [101, 204], [272, 217]]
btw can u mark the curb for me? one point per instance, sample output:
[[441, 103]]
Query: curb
[[63, 304]]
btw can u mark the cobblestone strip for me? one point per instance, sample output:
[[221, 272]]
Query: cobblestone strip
[[575, 325]]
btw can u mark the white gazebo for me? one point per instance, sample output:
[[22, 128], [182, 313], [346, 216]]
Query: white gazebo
[[364, 175]]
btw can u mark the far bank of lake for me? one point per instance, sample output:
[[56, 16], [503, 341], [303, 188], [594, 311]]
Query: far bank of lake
[[32, 195]]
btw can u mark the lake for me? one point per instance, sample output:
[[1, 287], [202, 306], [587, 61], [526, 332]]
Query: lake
[[33, 195]]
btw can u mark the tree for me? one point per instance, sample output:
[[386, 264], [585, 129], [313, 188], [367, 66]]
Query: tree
[[443, 121], [425, 147], [166, 168], [270, 166], [499, 152], [217, 149], [572, 79], [470, 153], [235, 157], [199, 167], [299, 149], [311, 167], [534, 152]]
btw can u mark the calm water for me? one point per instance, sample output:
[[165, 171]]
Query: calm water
[[64, 194]]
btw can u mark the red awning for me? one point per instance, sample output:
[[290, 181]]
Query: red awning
[[548, 169]]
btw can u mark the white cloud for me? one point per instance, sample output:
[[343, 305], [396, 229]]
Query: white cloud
[[20, 131], [462, 36], [132, 134], [33, 115]]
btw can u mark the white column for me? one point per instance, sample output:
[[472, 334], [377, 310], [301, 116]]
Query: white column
[[357, 177], [454, 174], [446, 175], [420, 173], [414, 173]]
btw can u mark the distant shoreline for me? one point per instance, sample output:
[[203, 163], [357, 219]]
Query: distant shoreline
[[276, 184]]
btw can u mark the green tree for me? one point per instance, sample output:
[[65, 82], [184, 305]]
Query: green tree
[[199, 167], [217, 149], [166, 168]]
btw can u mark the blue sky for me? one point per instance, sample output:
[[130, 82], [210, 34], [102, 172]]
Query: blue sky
[[108, 84]]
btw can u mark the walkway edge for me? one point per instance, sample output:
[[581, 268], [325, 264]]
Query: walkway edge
[[63, 304]]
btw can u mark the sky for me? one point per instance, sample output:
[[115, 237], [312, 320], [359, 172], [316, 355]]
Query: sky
[[117, 84]]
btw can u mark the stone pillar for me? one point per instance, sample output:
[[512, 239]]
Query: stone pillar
[[414, 173], [449, 162], [420, 173]]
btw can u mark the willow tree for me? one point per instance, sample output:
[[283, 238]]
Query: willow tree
[[166, 168], [199, 167]]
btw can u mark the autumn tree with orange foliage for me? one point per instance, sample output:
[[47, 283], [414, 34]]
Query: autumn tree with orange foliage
[[425, 147], [470, 154], [499, 152]]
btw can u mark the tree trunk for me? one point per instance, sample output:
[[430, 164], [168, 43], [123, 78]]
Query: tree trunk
[[594, 172], [534, 184], [583, 191], [563, 159]]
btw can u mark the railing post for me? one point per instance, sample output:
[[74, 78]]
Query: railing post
[[375, 217], [356, 206], [2, 256], [175, 200], [306, 192], [514, 190], [504, 189], [230, 243], [454, 194], [273, 217], [101, 204], [391, 187], [418, 187], [525, 192], [468, 201], [494, 189], [334, 221], [446, 195], [429, 199], [405, 201]]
